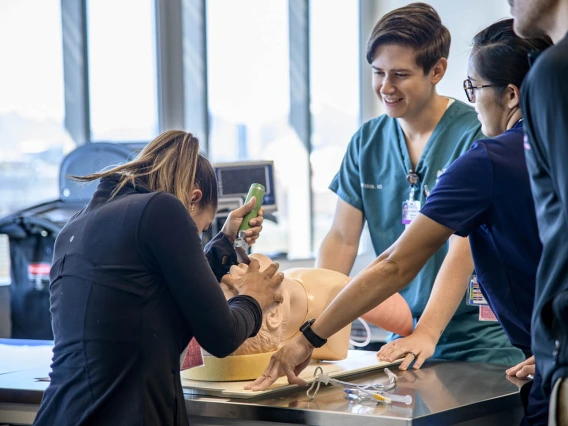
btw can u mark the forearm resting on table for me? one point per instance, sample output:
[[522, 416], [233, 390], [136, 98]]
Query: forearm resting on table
[[449, 288], [388, 274]]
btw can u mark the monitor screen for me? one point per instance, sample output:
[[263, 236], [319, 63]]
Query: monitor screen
[[238, 180]]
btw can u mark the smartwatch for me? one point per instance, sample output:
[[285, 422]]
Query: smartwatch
[[313, 338]]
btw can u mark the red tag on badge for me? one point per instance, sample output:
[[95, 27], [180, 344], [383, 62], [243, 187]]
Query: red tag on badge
[[486, 314], [193, 356]]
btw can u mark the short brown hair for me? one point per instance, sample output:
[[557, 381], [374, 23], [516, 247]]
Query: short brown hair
[[416, 25], [170, 163]]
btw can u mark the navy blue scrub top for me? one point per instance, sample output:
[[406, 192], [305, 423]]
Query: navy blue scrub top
[[486, 195]]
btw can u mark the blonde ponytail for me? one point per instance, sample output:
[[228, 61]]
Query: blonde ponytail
[[170, 163]]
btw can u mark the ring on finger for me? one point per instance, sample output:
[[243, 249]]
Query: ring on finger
[[413, 354]]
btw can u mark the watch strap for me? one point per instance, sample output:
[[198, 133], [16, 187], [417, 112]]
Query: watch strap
[[315, 340]]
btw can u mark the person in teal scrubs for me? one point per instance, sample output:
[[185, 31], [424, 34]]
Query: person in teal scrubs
[[394, 160]]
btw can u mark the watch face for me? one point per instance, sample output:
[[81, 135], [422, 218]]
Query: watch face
[[307, 324]]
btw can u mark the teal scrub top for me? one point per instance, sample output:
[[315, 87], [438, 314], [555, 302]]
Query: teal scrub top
[[372, 178]]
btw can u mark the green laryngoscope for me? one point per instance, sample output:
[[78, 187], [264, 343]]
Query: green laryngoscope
[[256, 190]]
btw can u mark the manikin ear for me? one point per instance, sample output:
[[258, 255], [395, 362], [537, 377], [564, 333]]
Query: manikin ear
[[438, 71], [512, 96], [274, 316]]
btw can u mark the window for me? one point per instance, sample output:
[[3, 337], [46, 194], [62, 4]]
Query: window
[[33, 139], [122, 70], [249, 109], [334, 80]]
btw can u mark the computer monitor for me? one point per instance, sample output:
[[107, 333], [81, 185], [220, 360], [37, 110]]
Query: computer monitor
[[235, 179]]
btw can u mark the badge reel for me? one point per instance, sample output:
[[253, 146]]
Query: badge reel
[[411, 207], [475, 298]]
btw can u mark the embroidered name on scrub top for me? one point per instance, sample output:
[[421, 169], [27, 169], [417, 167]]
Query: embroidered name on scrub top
[[411, 207]]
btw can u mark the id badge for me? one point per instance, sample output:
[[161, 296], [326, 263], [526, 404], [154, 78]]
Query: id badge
[[475, 298], [474, 294], [410, 210]]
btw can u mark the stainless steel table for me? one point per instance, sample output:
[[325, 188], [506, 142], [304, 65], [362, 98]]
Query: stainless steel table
[[444, 393]]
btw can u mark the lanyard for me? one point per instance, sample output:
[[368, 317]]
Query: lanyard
[[412, 178]]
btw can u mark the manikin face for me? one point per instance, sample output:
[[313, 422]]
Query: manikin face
[[399, 82], [532, 17], [274, 318], [491, 112]]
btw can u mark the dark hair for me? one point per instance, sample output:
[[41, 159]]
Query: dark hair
[[416, 25], [170, 163], [206, 181], [500, 56]]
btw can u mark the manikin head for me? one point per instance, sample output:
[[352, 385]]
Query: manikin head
[[275, 318], [306, 293]]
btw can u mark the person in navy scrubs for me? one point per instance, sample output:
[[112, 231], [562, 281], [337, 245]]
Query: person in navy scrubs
[[130, 286], [485, 194]]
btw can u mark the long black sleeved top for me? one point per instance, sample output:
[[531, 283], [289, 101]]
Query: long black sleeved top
[[130, 286], [545, 108]]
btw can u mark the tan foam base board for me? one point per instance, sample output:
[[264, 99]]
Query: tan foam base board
[[357, 362]]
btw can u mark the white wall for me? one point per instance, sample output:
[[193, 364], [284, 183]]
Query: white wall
[[464, 19]]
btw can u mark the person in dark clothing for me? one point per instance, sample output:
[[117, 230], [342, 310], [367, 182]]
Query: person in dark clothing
[[130, 286], [485, 194], [545, 107]]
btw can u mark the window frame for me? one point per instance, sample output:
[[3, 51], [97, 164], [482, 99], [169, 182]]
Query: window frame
[[180, 38]]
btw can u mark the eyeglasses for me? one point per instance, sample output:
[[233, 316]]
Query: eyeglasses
[[470, 89]]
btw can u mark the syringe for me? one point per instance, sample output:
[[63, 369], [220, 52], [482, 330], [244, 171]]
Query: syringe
[[387, 398]]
